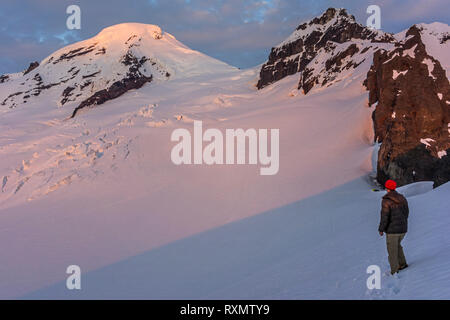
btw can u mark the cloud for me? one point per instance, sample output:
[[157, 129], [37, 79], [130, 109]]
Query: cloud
[[239, 32]]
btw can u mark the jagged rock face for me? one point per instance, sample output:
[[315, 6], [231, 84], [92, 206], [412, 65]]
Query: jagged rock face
[[412, 114], [132, 81], [326, 36]]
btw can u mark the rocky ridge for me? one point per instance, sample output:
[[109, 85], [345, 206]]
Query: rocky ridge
[[321, 50]]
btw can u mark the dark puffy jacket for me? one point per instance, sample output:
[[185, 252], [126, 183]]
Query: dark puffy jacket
[[394, 213]]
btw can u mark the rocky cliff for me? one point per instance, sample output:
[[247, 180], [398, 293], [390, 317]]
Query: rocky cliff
[[412, 114]]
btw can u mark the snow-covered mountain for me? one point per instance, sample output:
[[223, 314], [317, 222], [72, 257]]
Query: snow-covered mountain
[[97, 71], [91, 72], [98, 188], [323, 51]]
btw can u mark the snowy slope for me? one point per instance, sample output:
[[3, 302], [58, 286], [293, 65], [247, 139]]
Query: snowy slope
[[436, 37], [99, 190], [316, 248], [102, 186]]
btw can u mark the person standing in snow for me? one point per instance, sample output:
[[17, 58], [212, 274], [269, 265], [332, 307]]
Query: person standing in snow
[[394, 222]]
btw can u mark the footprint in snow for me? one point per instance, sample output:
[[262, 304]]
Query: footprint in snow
[[392, 282]]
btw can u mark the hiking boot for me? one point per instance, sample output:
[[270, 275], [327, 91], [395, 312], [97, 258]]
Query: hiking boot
[[403, 267]]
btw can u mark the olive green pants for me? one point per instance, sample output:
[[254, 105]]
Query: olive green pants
[[395, 251]]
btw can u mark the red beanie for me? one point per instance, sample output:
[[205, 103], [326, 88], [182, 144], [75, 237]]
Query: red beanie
[[390, 184]]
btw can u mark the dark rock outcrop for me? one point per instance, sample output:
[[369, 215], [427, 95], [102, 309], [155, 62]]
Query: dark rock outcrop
[[117, 89], [412, 116], [4, 78], [133, 80], [66, 94], [75, 53], [31, 67]]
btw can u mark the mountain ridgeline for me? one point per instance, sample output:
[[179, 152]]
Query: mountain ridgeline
[[405, 74]]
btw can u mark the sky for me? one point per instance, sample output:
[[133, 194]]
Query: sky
[[238, 32]]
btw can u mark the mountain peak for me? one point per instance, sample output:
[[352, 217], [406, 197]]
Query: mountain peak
[[119, 58], [321, 48], [126, 29], [338, 25], [330, 14]]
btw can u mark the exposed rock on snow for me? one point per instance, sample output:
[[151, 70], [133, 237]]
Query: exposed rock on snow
[[32, 66], [116, 90], [4, 78], [134, 79]]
